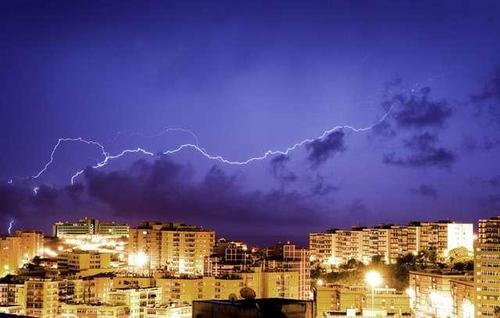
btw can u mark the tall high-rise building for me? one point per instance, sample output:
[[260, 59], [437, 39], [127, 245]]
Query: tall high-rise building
[[177, 247], [487, 267]]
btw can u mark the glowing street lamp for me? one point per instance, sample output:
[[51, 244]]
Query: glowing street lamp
[[138, 260], [373, 279]]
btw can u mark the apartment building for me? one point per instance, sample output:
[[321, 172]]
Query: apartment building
[[42, 298], [83, 260], [18, 249], [431, 293], [75, 310], [333, 298], [177, 247], [89, 227], [487, 267], [290, 258], [271, 284], [137, 300], [462, 294], [389, 242]]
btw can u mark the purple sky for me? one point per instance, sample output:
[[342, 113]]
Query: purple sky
[[246, 77]]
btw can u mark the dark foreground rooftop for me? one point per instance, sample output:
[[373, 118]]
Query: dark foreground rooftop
[[257, 308]]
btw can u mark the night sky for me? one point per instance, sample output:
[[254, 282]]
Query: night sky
[[420, 79]]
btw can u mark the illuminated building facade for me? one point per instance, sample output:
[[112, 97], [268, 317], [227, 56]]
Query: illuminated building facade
[[431, 293], [42, 298], [487, 267], [389, 242], [88, 227], [83, 260], [177, 247], [18, 249], [340, 298], [137, 300], [93, 311], [462, 293], [12, 293], [274, 284]]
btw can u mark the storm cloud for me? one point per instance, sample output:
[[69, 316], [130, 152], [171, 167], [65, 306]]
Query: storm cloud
[[280, 171], [320, 150], [425, 190], [423, 152]]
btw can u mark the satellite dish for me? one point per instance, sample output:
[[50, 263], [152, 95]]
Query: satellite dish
[[247, 293], [233, 297]]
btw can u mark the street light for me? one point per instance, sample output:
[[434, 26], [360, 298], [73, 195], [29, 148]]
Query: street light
[[373, 279]]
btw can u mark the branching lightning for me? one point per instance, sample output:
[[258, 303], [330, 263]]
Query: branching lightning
[[195, 146], [11, 225]]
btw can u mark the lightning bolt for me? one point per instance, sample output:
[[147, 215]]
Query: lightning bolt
[[108, 158], [11, 224]]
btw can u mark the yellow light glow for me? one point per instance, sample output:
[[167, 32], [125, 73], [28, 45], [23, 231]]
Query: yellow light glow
[[373, 278], [331, 261], [139, 259], [320, 282]]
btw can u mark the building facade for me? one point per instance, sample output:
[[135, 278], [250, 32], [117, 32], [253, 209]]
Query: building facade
[[487, 267], [178, 248], [390, 242]]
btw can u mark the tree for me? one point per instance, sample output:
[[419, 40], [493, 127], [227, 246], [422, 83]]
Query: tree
[[458, 255], [377, 259]]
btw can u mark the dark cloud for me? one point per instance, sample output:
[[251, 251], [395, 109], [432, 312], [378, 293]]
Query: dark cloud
[[321, 150], [425, 190], [357, 207], [423, 152], [493, 181], [321, 187], [166, 190], [410, 109], [417, 110], [20, 203], [491, 89], [471, 144], [280, 171]]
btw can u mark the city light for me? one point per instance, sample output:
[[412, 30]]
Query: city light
[[139, 259], [373, 279], [441, 303]]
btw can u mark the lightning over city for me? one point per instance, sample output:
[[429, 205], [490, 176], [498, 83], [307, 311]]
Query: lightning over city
[[250, 159]]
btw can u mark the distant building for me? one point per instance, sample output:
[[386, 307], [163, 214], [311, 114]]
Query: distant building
[[177, 247], [487, 267], [389, 242], [268, 307], [83, 260], [89, 227]]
